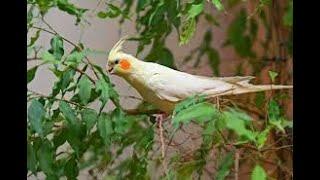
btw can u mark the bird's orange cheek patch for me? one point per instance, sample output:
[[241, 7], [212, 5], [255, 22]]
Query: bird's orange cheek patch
[[125, 64]]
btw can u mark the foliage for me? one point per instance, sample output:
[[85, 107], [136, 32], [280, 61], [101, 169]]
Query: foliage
[[65, 135]]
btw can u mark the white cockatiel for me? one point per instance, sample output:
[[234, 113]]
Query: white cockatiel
[[164, 87]]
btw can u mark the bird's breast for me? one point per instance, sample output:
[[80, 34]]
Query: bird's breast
[[141, 85]]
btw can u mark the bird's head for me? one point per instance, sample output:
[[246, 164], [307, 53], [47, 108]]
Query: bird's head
[[120, 63]]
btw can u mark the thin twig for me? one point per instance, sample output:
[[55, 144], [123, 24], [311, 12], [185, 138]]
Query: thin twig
[[164, 164], [236, 165]]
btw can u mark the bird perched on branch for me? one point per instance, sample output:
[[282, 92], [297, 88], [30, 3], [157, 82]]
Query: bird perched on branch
[[165, 87]]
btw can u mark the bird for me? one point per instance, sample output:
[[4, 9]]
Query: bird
[[164, 87]]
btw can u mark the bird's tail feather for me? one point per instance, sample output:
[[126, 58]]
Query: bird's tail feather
[[257, 88]]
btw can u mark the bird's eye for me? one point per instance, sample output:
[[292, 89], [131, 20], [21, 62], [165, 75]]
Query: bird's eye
[[116, 61]]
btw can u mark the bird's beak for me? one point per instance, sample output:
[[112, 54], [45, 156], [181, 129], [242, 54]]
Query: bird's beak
[[110, 69]]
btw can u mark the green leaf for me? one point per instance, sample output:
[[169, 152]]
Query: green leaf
[[36, 115], [45, 156], [105, 127], [237, 36], [273, 75], [214, 60], [31, 73], [258, 173], [71, 169], [75, 58], [236, 121], [195, 10], [85, 87], [44, 5], [48, 57], [112, 12], [224, 166], [187, 31], [89, 117], [201, 112], [68, 113], [102, 87], [71, 9], [34, 38], [262, 137], [218, 4], [31, 158], [288, 16], [67, 78], [57, 47], [273, 110]]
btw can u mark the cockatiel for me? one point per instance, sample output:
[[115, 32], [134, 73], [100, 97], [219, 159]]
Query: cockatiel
[[165, 87]]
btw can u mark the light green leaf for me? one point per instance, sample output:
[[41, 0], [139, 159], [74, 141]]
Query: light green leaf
[[218, 4], [31, 73], [273, 75], [89, 117], [187, 31], [224, 166], [105, 127], [75, 58], [200, 112], [85, 87], [195, 10], [236, 121], [48, 57], [36, 115], [262, 137], [258, 173]]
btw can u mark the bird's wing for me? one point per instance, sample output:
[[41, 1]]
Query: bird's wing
[[175, 86]]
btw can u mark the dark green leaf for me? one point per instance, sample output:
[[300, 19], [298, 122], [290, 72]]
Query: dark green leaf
[[102, 88], [31, 158], [288, 16], [89, 117], [36, 115], [57, 47], [34, 38], [85, 87], [224, 166], [273, 110], [258, 173], [71, 169], [68, 113], [45, 156], [71, 9], [31, 73], [105, 127], [214, 60]]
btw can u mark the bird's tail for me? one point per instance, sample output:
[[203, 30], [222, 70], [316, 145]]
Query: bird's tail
[[249, 88], [242, 86]]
